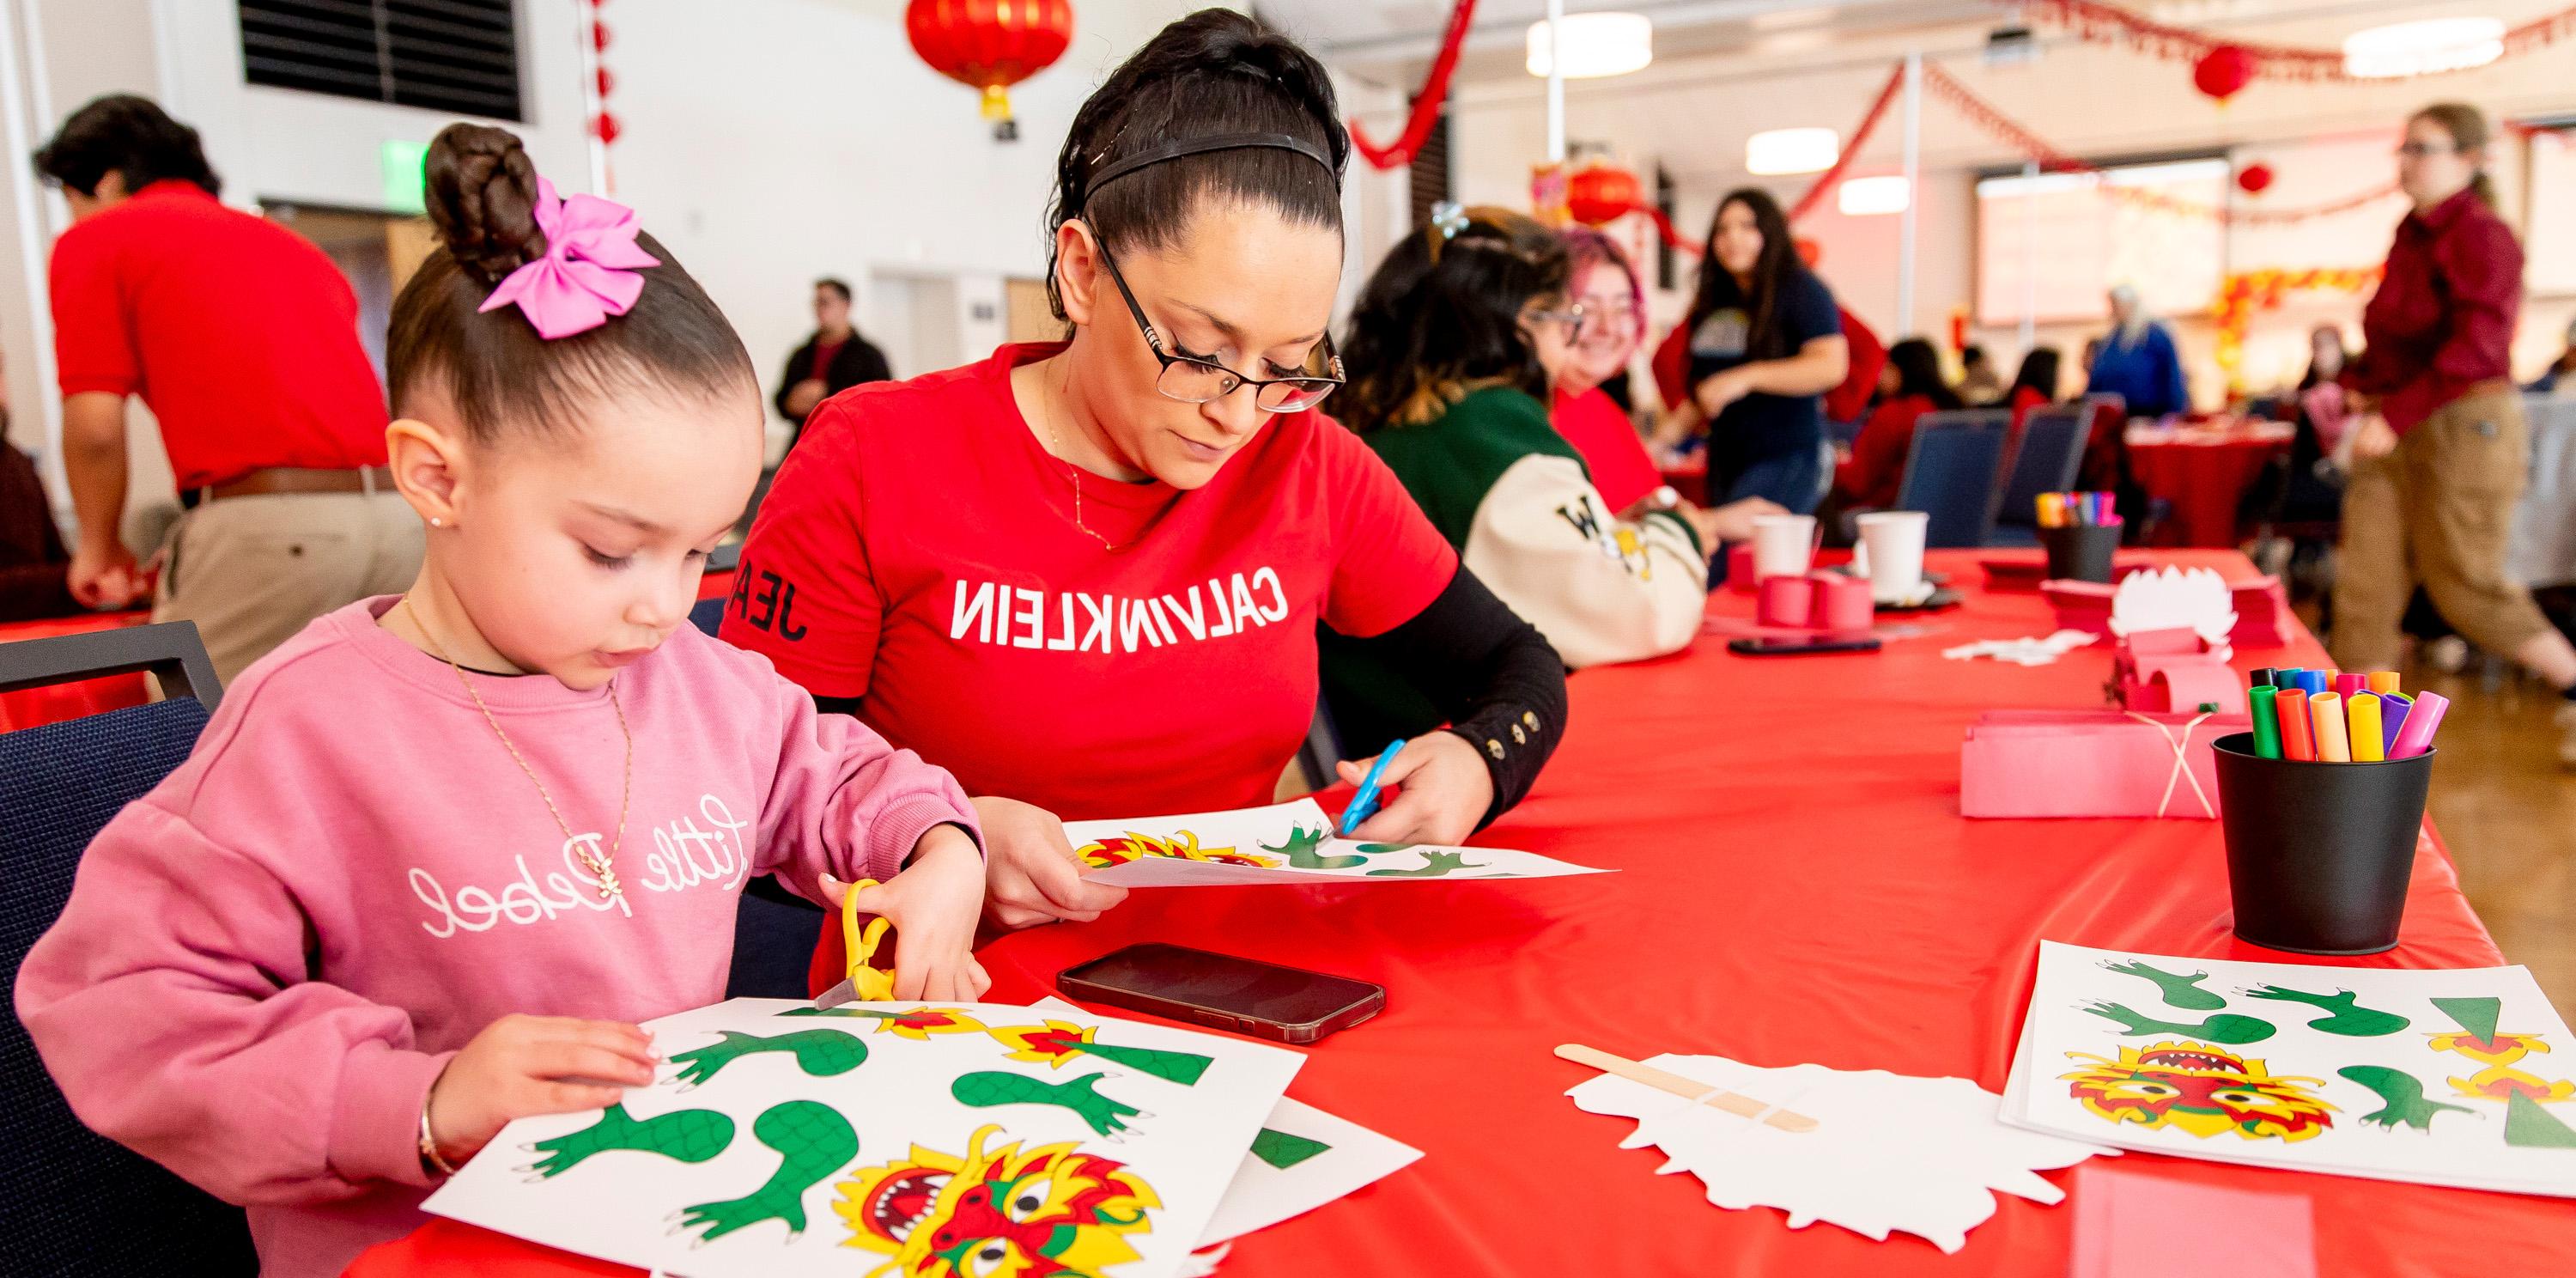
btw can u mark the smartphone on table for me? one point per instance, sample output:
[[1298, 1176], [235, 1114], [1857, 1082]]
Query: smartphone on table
[[1220, 991], [1765, 646]]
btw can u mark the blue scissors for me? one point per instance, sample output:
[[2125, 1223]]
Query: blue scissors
[[1364, 805]]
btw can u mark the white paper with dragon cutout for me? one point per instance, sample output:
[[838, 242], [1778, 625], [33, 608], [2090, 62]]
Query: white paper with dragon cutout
[[1889, 1152], [1253, 846]]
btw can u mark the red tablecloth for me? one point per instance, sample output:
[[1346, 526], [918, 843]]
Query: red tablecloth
[[1796, 885], [2204, 472], [57, 702]]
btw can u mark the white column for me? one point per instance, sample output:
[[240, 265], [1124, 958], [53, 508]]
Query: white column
[[1555, 81], [1913, 193], [2029, 254], [34, 235]]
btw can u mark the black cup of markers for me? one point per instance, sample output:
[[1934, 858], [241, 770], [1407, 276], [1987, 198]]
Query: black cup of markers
[[2080, 552], [2319, 854]]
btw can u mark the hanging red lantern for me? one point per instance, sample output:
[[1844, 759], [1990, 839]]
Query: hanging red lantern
[[2255, 178], [607, 128], [599, 37], [607, 82], [990, 45], [2222, 72], [1599, 194]]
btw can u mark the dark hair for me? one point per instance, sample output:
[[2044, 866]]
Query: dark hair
[[129, 136], [1772, 271], [1442, 316], [492, 365], [835, 285], [1918, 372], [2038, 372], [1972, 356], [1214, 72]]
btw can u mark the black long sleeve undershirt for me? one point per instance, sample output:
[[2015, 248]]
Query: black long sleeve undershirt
[[1466, 660]]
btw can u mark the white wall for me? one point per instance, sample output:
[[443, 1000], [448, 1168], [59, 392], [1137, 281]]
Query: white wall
[[771, 142]]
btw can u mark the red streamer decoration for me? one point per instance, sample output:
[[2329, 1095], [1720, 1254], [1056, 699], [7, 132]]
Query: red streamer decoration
[[2098, 23], [1426, 104], [1833, 177], [2052, 160]]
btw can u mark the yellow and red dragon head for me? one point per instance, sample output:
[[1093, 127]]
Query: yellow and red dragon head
[[1119, 849], [2200, 1089], [997, 1213]]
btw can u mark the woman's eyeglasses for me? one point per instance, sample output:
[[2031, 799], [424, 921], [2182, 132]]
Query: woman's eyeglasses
[[2420, 150], [1192, 380], [1570, 317]]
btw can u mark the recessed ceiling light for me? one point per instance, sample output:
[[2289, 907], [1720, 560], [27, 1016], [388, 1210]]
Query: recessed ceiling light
[[1782, 151], [1596, 45], [1870, 196], [2418, 48]]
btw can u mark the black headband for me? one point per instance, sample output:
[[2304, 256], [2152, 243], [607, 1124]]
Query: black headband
[[1195, 146]]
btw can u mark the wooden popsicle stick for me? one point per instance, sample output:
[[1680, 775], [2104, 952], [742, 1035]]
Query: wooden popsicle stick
[[1732, 1102]]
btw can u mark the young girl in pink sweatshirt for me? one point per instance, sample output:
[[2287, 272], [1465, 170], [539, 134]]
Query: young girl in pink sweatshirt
[[434, 857]]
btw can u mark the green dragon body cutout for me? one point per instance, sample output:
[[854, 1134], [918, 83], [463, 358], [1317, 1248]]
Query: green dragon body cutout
[[689, 1135], [1434, 865], [1284, 1150], [2348, 1020], [1300, 851], [2179, 990], [813, 1141], [2401, 1097], [2225, 1027], [988, 1090], [823, 1053]]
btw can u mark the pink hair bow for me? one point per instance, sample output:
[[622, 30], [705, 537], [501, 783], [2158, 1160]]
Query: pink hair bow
[[588, 271]]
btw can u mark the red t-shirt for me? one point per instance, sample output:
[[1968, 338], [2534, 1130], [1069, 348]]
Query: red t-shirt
[[1611, 450], [824, 353], [918, 552], [1876, 469], [240, 334]]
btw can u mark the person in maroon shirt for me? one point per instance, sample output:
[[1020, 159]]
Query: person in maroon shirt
[[243, 338], [2440, 458]]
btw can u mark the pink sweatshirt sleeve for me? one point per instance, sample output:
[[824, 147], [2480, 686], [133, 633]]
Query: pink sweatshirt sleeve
[[171, 1005], [845, 801]]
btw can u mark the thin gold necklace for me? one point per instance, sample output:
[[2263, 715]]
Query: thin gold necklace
[[602, 868], [1072, 470]]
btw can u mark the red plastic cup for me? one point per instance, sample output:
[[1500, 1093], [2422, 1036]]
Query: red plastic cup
[[1786, 601], [1842, 603]]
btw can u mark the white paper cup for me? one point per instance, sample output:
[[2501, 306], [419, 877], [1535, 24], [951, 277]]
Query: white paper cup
[[1893, 541], [1783, 545]]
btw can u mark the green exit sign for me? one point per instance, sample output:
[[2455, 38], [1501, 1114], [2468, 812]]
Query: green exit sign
[[405, 167]]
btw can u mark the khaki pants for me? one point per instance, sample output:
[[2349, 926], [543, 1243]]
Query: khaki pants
[[251, 571], [2437, 511]]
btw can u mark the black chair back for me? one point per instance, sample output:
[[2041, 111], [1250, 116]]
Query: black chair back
[[81, 1204], [2051, 452], [1952, 474]]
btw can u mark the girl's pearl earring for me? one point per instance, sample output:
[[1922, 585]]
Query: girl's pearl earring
[[436, 522]]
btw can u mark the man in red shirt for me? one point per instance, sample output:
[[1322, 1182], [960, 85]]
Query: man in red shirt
[[243, 339]]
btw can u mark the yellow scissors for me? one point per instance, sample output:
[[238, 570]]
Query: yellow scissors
[[867, 983]]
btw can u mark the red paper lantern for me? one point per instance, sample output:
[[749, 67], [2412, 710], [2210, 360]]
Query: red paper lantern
[[2222, 72], [607, 128], [990, 45], [599, 37], [2255, 178], [607, 82], [1600, 194]]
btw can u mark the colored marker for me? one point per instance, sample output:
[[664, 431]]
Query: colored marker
[[2362, 710], [1364, 804], [2286, 677], [2383, 682], [2298, 741], [2052, 510], [2392, 717], [2267, 722], [2261, 678], [2313, 682], [2421, 723], [2347, 683], [2334, 745]]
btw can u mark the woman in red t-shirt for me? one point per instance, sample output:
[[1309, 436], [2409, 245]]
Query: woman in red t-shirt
[[1869, 478], [1085, 577], [1613, 306], [2035, 386]]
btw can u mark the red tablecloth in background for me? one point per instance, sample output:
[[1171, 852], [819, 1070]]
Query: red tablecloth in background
[[2204, 472], [57, 702], [1796, 885]]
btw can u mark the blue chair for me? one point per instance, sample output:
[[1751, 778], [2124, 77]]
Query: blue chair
[[1951, 474], [2050, 457], [80, 1203], [708, 614]]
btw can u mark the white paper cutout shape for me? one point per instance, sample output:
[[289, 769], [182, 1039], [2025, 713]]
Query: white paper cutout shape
[[1283, 843], [1889, 1152], [2172, 599]]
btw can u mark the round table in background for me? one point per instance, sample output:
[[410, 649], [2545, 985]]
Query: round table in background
[[55, 703], [2204, 471]]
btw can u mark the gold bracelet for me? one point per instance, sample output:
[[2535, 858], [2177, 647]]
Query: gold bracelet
[[429, 1157]]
